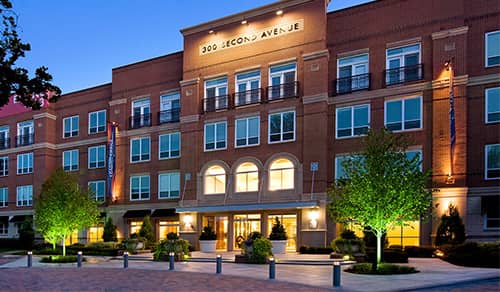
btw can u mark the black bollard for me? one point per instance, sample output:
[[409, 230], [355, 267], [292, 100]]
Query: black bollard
[[171, 260], [272, 269], [218, 261], [336, 274], [79, 260], [30, 259], [125, 259]]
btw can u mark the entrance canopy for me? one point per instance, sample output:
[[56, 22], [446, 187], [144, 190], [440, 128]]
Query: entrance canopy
[[164, 213], [137, 213], [20, 218], [249, 207]]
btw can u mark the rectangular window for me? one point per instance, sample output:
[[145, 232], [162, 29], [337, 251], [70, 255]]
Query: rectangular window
[[97, 122], [25, 163], [97, 156], [282, 127], [70, 125], [139, 187], [492, 48], [490, 212], [247, 131], [24, 196], [4, 166], [247, 88], [352, 74], [170, 107], [140, 149], [169, 185], [492, 161], [98, 189], [4, 197], [403, 114], [4, 228], [170, 145], [282, 81], [4, 137], [216, 94], [141, 114], [492, 105], [215, 136], [403, 64], [411, 154], [70, 160], [353, 121], [25, 133], [339, 168]]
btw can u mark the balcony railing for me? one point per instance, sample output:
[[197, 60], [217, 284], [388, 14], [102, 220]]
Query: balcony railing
[[212, 104], [252, 96], [282, 91], [351, 84], [4, 143], [24, 140], [169, 116], [404, 74], [140, 121]]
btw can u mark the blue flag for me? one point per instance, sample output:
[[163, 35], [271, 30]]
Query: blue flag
[[453, 133], [111, 160]]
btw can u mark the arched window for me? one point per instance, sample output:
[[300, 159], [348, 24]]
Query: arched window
[[215, 180], [247, 177], [281, 175]]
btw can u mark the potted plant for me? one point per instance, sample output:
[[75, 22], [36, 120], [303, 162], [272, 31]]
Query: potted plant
[[208, 240], [278, 237], [348, 244]]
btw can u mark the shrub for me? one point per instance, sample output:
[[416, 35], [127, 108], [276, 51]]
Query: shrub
[[109, 232], [208, 233], [420, 251], [451, 230], [348, 243], [178, 246], [278, 231], [315, 250], [473, 254], [9, 243], [60, 259], [146, 230], [27, 234], [348, 234], [382, 269], [172, 236], [261, 251], [134, 243]]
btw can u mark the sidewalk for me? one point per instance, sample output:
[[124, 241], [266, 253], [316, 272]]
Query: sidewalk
[[433, 272]]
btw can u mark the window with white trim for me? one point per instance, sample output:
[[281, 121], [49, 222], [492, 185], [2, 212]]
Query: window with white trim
[[281, 175], [490, 212], [4, 137], [492, 161], [24, 196], [402, 64], [216, 94], [247, 88], [70, 160], [97, 122], [403, 114], [492, 46], [352, 73], [214, 180], [70, 126], [25, 163], [139, 187], [97, 156], [282, 127], [353, 120], [247, 131], [169, 145], [98, 189], [282, 79], [492, 104], [140, 149], [4, 197], [169, 185], [411, 154], [215, 136], [247, 178], [339, 167], [4, 166]]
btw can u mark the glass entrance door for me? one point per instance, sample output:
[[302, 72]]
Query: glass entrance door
[[290, 224], [219, 225], [244, 225]]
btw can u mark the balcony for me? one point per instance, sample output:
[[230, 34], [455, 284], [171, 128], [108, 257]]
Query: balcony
[[140, 121], [252, 96], [351, 84], [4, 143], [282, 91], [24, 140], [169, 116], [212, 104], [404, 74]]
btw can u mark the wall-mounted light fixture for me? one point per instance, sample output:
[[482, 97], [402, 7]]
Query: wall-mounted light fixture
[[244, 22], [279, 12], [313, 219], [187, 220], [211, 31]]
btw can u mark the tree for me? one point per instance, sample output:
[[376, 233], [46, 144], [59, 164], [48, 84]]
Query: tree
[[109, 233], [382, 188], [15, 81], [27, 234], [63, 207], [146, 230], [451, 230]]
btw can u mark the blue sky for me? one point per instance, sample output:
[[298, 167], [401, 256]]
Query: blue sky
[[82, 40]]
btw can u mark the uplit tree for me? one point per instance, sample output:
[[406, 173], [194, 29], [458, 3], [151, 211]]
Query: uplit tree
[[109, 233], [381, 187], [63, 207], [14, 80]]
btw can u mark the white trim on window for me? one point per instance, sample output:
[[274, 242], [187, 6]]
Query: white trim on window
[[486, 169], [403, 101], [25, 163], [140, 193], [98, 197], [282, 133], [247, 130], [24, 196], [69, 165], [95, 158], [74, 129], [174, 180], [352, 128], [487, 96], [169, 151], [486, 57], [98, 124], [141, 154], [215, 141]]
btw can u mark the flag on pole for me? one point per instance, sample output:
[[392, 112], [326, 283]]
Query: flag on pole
[[111, 160], [453, 136]]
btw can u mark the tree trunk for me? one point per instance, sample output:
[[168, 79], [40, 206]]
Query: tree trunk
[[64, 245], [54, 245], [379, 247]]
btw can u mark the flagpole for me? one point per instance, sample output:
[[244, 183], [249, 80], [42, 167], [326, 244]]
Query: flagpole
[[450, 179]]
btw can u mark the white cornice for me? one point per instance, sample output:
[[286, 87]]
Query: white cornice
[[315, 98], [484, 79], [449, 32], [316, 55], [117, 101], [44, 115], [189, 82], [190, 119]]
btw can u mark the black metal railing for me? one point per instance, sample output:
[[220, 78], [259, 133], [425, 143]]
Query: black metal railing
[[4, 143], [169, 116], [212, 104], [351, 84], [24, 140], [139, 121], [252, 96], [404, 74], [282, 91]]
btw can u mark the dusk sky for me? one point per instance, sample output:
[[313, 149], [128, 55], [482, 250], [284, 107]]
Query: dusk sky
[[81, 41]]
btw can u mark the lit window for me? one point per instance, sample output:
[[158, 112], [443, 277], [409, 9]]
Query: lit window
[[215, 136], [95, 233], [492, 161], [24, 196], [71, 126], [248, 88], [216, 94], [4, 166], [215, 180], [352, 74], [4, 197], [493, 48], [281, 175], [353, 121], [282, 127], [247, 131], [282, 81], [97, 122], [492, 105], [409, 234], [169, 185], [170, 145], [139, 187], [247, 178], [97, 156], [403, 64], [166, 227], [98, 189], [403, 114], [25, 163], [140, 149], [135, 227], [70, 160]]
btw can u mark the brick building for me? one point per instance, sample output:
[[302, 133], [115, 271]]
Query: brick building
[[252, 119]]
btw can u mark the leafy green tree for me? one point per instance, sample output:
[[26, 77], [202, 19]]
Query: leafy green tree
[[109, 232], [27, 234], [382, 188], [146, 230], [451, 230], [15, 80], [63, 207]]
